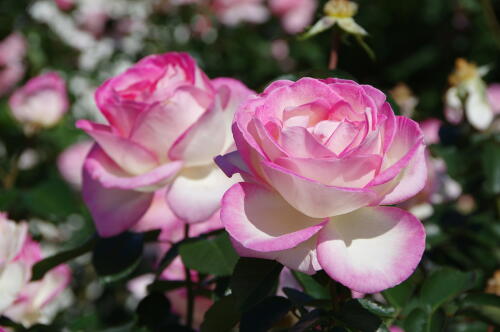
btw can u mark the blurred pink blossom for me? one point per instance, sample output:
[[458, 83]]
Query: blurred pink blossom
[[295, 15], [70, 162], [493, 93], [41, 102], [233, 12], [12, 52], [65, 4]]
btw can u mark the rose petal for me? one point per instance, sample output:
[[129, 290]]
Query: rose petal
[[132, 157], [103, 202], [313, 198], [196, 193], [301, 258], [261, 220], [12, 280], [101, 168], [371, 249]]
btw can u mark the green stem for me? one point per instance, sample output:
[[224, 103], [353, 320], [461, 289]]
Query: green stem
[[189, 286]]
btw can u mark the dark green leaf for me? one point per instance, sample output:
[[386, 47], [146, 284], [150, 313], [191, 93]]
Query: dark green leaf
[[265, 315], [42, 267], [416, 321], [308, 320], [377, 309], [443, 285], [165, 285], [211, 256], [253, 280], [311, 286], [398, 296], [116, 257], [354, 315], [483, 306], [222, 316]]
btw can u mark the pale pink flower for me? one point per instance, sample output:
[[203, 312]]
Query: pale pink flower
[[167, 121], [41, 102], [234, 12], [319, 158], [12, 52], [70, 162], [295, 15], [23, 301]]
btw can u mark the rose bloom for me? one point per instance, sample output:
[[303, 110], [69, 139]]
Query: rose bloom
[[295, 15], [12, 52], [41, 102], [493, 93], [319, 157], [23, 301], [167, 121], [70, 162], [233, 12]]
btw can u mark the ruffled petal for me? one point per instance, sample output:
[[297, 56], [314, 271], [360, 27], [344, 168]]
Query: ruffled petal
[[371, 249], [101, 168], [261, 220], [131, 156], [313, 198]]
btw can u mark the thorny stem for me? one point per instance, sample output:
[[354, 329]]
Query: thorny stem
[[492, 20], [189, 286]]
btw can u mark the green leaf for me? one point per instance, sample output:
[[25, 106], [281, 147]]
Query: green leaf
[[481, 305], [153, 310], [253, 280], [491, 167], [43, 266], [416, 321], [354, 315], [116, 257], [265, 315], [210, 256], [445, 284], [222, 316], [398, 296], [311, 286], [377, 309]]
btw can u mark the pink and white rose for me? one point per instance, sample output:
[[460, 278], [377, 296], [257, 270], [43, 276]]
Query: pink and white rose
[[320, 159], [493, 93], [23, 301], [166, 122], [41, 102], [12, 52], [295, 15]]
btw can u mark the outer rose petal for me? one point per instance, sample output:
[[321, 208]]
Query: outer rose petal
[[371, 249], [301, 258], [132, 157], [70, 162], [408, 175], [110, 175], [312, 198], [261, 220], [104, 202], [158, 216], [12, 280], [195, 194]]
